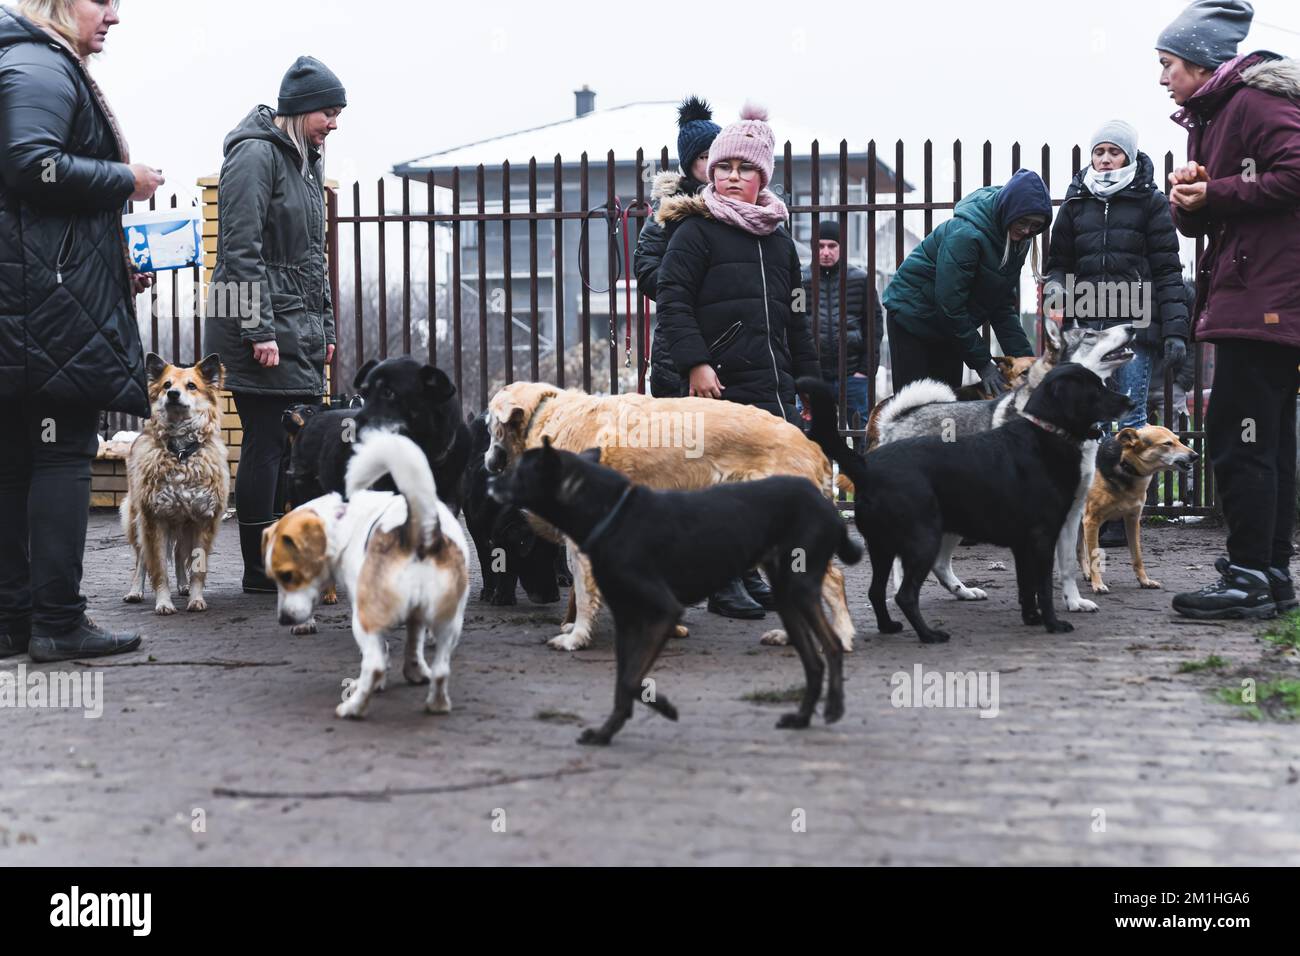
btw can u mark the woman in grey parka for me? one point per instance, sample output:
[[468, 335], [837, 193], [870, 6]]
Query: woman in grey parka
[[269, 310]]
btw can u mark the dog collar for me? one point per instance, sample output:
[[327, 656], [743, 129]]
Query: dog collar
[[603, 525], [1058, 430], [187, 452]]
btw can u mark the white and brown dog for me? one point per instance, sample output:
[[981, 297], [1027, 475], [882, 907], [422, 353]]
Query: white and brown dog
[[178, 482], [401, 557]]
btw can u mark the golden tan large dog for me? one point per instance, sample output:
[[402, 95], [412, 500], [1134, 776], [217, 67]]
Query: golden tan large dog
[[177, 482], [663, 443]]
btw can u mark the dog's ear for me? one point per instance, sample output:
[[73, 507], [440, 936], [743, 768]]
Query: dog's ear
[[1052, 334], [363, 372], [1129, 437], [591, 454], [213, 372], [266, 536], [436, 381], [154, 366]]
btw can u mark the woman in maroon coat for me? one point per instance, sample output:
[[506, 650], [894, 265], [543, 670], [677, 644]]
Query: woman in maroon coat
[[1241, 190]]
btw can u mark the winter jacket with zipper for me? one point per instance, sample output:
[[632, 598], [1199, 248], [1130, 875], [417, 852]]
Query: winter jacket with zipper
[[1128, 238], [269, 283], [726, 299], [650, 247], [858, 292], [1244, 127], [68, 329], [954, 282]]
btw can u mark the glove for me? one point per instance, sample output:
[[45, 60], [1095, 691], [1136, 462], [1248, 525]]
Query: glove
[[991, 379], [1175, 353]]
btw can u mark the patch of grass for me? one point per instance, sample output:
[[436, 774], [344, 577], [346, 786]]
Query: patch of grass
[[1285, 631], [1212, 663], [791, 695], [1274, 700], [557, 717]]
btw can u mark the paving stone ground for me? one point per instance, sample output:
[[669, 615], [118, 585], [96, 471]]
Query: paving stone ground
[[227, 713]]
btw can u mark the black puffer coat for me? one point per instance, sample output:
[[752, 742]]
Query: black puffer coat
[[650, 248], [1129, 238], [858, 293], [726, 298], [68, 331]]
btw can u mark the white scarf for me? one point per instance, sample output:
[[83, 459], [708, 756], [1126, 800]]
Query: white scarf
[[1105, 184]]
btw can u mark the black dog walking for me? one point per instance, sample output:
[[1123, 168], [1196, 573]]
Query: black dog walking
[[654, 551], [1011, 486]]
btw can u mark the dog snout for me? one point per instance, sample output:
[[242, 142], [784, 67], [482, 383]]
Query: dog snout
[[494, 461], [174, 395]]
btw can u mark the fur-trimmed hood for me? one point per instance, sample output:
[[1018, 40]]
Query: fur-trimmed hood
[[1280, 76], [676, 196]]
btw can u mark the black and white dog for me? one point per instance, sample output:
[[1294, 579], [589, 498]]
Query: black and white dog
[[1012, 486], [398, 395], [652, 552]]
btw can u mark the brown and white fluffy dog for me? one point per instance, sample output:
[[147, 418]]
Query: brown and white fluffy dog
[[178, 482], [1125, 467], [669, 444], [402, 558]]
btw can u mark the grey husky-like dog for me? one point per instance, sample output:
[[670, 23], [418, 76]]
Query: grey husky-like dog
[[928, 407]]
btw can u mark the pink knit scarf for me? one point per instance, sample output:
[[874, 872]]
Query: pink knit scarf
[[760, 219]]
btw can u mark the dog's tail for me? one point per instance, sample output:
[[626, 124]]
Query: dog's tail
[[380, 453], [822, 429], [925, 391], [850, 551]]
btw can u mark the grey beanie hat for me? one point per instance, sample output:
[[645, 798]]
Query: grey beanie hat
[[309, 85], [1208, 31], [1120, 133]]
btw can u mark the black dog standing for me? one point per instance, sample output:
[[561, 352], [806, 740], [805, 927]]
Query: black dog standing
[[654, 551], [1012, 486]]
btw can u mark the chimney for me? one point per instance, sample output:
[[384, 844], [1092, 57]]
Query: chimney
[[585, 99]]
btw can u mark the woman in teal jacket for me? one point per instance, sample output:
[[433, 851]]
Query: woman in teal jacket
[[966, 273]]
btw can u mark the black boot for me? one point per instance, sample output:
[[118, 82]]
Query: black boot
[[732, 600], [1239, 592], [1112, 535], [14, 639], [758, 589], [250, 544], [1279, 583], [85, 640]]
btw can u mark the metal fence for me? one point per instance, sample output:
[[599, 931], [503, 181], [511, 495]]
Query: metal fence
[[471, 324]]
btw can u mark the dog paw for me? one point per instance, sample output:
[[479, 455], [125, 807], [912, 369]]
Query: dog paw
[[971, 594], [1149, 584], [183, 590], [417, 672], [935, 637], [1079, 604], [792, 722], [352, 708], [889, 627], [833, 710], [1100, 588], [572, 641], [1059, 627], [566, 627], [435, 706], [593, 738], [846, 644], [775, 638], [330, 598], [133, 597], [162, 610], [196, 604], [298, 630], [502, 598]]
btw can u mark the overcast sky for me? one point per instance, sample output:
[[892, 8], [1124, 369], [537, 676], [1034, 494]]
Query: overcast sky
[[422, 77]]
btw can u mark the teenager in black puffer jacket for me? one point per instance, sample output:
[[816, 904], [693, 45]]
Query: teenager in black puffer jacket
[[726, 293], [1115, 228], [695, 133]]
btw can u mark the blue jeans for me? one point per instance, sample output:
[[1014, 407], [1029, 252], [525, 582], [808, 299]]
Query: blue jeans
[[1133, 379], [857, 400]]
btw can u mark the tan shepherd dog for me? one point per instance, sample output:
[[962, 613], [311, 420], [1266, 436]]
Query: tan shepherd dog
[[178, 482], [669, 444]]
